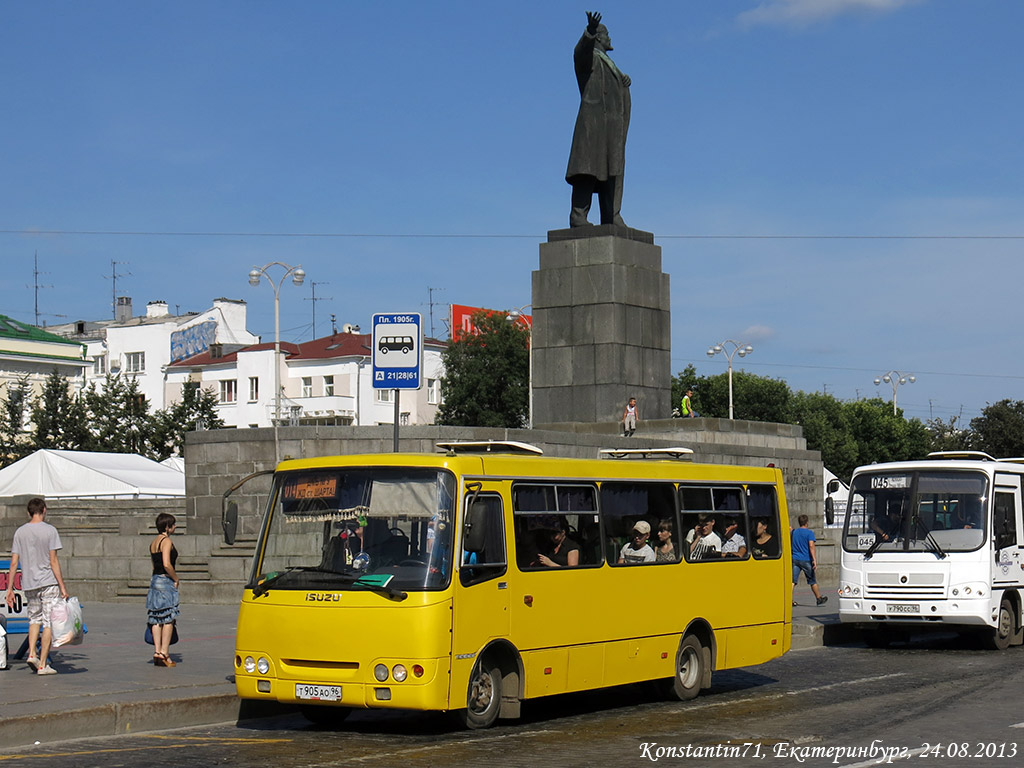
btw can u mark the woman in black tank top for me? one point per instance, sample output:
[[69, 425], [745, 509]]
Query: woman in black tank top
[[162, 600]]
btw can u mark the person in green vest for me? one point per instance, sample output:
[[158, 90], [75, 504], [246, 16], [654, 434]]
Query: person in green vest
[[687, 408]]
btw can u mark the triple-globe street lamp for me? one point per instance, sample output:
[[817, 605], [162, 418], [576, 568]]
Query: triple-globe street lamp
[[297, 275], [895, 378], [738, 348]]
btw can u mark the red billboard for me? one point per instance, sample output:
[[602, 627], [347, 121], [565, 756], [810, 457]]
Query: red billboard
[[461, 319]]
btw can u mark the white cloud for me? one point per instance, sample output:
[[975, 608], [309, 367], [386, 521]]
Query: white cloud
[[803, 13], [758, 333]]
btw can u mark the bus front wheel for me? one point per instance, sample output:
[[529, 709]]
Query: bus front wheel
[[690, 662], [483, 699], [1002, 632]]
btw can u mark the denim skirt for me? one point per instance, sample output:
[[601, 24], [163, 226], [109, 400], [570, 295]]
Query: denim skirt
[[162, 600]]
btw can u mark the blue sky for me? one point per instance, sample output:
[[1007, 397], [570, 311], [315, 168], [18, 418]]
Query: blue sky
[[836, 182]]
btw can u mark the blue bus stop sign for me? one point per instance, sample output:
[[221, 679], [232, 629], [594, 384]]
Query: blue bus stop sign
[[397, 351]]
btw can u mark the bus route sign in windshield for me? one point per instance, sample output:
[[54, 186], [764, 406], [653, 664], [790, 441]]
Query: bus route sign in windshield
[[883, 482], [316, 487]]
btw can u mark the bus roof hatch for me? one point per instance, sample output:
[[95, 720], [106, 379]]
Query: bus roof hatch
[[679, 454], [489, 446]]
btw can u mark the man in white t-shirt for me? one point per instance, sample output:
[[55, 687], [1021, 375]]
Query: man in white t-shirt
[[703, 541], [35, 548], [637, 550]]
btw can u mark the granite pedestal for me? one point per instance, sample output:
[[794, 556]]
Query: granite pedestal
[[601, 326]]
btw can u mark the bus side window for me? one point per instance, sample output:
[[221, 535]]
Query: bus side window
[[487, 561], [624, 506], [763, 511]]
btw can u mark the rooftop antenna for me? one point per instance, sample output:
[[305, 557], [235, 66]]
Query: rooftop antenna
[[113, 285], [334, 325], [36, 286], [430, 304], [313, 284]]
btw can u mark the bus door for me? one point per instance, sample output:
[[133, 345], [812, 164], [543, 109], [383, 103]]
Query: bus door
[[481, 605], [1006, 531]]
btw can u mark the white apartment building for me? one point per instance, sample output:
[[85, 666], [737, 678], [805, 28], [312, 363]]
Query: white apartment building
[[143, 347], [323, 381]]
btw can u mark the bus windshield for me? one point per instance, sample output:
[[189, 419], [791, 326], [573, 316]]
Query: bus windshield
[[357, 528], [926, 511]]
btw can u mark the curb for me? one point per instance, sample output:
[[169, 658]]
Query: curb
[[119, 718]]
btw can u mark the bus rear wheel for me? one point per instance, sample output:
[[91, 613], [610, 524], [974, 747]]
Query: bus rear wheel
[[483, 698], [690, 669], [1002, 632]]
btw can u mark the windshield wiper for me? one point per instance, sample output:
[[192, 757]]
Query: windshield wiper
[[929, 539], [874, 547], [362, 580], [272, 578]]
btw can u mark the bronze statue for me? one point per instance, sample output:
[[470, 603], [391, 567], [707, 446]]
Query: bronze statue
[[598, 156]]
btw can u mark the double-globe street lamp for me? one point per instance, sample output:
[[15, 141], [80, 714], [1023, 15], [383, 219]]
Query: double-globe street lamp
[[895, 378], [738, 348], [298, 275]]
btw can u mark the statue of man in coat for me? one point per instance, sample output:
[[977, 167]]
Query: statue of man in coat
[[598, 156]]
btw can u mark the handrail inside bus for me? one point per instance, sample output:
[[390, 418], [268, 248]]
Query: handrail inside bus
[[489, 446], [678, 453]]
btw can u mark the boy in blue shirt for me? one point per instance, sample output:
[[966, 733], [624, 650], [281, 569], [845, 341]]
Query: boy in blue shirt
[[805, 558]]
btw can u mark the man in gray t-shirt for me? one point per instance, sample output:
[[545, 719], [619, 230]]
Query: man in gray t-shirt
[[35, 549]]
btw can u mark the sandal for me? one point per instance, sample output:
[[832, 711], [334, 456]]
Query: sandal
[[165, 661]]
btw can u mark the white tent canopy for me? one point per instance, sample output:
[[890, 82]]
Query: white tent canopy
[[56, 474]]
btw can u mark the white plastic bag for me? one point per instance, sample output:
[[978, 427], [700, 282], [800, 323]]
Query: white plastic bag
[[66, 623]]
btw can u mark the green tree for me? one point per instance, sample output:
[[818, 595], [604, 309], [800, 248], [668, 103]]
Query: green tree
[[826, 427], [14, 443], [487, 375], [999, 431], [947, 436], [884, 436], [754, 398], [119, 415], [197, 409], [59, 418]]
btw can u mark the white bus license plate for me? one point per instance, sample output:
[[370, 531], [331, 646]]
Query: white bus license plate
[[318, 692], [903, 608]]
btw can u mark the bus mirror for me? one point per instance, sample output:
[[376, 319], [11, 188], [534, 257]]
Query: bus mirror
[[833, 486], [830, 510], [229, 521], [476, 527]]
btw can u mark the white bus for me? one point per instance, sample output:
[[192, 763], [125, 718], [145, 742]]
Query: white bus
[[935, 544]]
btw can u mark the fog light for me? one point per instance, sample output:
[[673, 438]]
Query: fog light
[[400, 673], [262, 666], [382, 694], [250, 664], [263, 686], [381, 673]]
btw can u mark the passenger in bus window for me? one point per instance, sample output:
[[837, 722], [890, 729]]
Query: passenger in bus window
[[637, 550], [563, 552], [665, 549], [887, 526], [734, 545], [764, 544], [703, 541], [964, 517]]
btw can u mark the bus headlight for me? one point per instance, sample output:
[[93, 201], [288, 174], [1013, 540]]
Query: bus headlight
[[400, 673], [250, 664], [262, 665], [381, 673]]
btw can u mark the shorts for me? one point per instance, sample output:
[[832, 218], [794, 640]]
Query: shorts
[[40, 604], [807, 568]]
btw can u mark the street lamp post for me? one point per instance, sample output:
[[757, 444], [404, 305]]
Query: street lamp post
[[513, 316], [895, 378], [738, 348], [298, 275]]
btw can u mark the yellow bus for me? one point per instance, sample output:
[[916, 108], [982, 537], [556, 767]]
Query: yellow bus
[[476, 578]]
